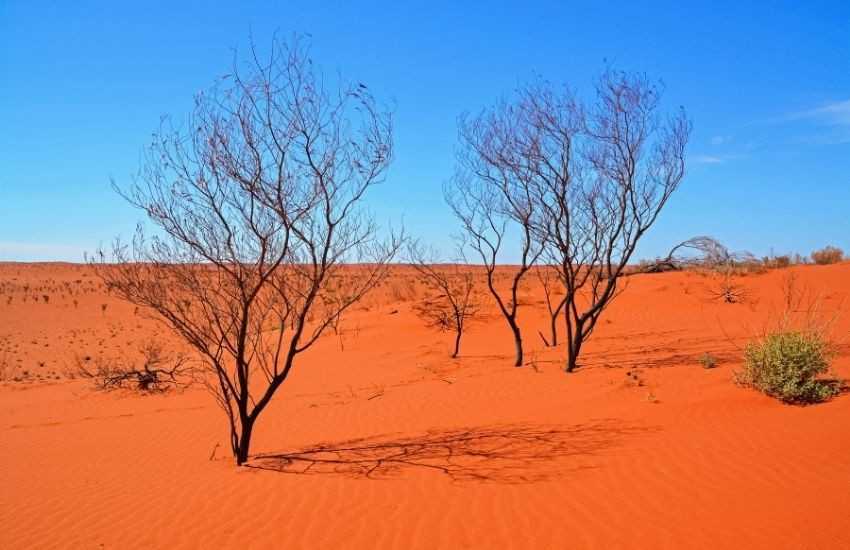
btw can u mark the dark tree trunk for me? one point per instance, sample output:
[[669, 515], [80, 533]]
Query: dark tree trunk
[[457, 342], [244, 441], [574, 343], [518, 342], [554, 327]]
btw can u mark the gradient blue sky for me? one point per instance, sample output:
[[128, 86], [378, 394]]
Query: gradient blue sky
[[767, 84]]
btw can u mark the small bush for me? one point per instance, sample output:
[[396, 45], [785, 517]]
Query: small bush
[[707, 360], [786, 365], [827, 255], [159, 370]]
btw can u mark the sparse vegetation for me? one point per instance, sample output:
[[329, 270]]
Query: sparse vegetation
[[553, 294], [726, 285], [697, 252], [6, 367], [453, 297], [650, 397], [827, 255], [158, 370], [790, 365], [634, 377], [707, 360], [707, 254]]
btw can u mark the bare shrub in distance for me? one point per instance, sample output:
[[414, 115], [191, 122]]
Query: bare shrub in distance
[[726, 285], [454, 298], [700, 251], [550, 282], [827, 255], [258, 201], [158, 371], [7, 369]]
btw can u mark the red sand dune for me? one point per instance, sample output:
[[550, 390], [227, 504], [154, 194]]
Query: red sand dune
[[391, 444]]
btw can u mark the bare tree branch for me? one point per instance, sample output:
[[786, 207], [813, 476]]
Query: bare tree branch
[[586, 181], [258, 203], [453, 299]]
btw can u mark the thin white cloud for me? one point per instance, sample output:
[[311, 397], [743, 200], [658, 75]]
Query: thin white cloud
[[835, 113], [832, 113], [720, 140], [40, 252], [828, 138], [707, 159], [713, 159], [824, 124], [833, 118]]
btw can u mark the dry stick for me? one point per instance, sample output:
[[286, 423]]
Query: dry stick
[[380, 392], [726, 334]]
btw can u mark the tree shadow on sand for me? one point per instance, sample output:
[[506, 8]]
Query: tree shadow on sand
[[517, 453]]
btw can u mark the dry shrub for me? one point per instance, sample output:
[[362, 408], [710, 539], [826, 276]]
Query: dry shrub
[[7, 370], [159, 370], [727, 286], [10, 372], [707, 360], [403, 290], [827, 255], [781, 262]]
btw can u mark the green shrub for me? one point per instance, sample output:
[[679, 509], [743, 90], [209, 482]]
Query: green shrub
[[707, 360], [787, 365], [827, 255]]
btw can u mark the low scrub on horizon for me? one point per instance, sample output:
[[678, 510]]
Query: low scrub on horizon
[[827, 255]]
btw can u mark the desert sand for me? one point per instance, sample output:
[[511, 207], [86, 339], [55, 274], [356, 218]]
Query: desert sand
[[379, 440]]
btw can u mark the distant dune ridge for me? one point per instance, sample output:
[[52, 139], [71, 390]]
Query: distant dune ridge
[[380, 440]]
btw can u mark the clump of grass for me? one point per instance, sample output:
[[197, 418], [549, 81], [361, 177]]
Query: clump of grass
[[790, 365], [708, 360], [650, 397]]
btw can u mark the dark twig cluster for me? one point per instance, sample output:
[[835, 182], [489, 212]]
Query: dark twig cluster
[[453, 298], [158, 371]]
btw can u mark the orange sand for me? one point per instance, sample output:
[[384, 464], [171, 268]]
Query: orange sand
[[391, 444]]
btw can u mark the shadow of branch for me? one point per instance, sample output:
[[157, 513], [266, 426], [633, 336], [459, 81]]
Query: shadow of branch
[[518, 453]]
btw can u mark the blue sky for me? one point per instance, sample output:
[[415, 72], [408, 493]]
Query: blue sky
[[767, 85]]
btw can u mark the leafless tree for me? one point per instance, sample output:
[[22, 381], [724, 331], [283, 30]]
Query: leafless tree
[[262, 240], [593, 179], [701, 251], [725, 284], [492, 203], [453, 300], [602, 192], [550, 282]]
